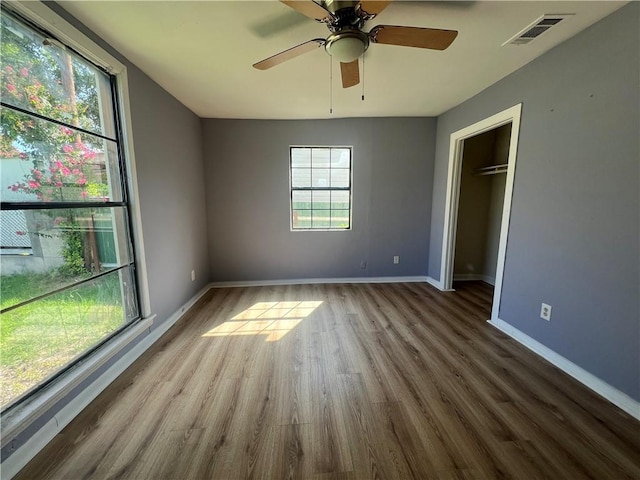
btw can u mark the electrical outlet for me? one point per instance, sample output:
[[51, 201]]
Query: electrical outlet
[[545, 312], [396, 259], [193, 275]]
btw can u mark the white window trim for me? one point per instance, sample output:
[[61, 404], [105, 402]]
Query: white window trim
[[307, 230]]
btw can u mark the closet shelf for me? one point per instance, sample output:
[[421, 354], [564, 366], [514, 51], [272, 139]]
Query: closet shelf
[[491, 170]]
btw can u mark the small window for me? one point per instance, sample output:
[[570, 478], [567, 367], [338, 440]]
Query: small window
[[320, 188]]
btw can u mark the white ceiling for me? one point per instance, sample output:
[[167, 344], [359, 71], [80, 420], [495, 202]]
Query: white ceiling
[[202, 53]]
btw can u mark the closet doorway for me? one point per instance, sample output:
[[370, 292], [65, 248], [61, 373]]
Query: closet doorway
[[483, 177], [479, 189]]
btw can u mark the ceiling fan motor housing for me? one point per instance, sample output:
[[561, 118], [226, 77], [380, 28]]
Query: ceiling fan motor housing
[[344, 15], [347, 45], [334, 6]]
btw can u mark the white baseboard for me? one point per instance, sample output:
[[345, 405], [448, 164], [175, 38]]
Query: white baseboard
[[177, 315], [438, 284], [308, 281], [615, 396], [466, 277], [14, 463]]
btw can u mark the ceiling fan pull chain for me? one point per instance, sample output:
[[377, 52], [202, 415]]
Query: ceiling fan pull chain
[[330, 85], [363, 56]]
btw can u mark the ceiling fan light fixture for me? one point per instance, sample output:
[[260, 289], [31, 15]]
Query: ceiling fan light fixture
[[347, 46]]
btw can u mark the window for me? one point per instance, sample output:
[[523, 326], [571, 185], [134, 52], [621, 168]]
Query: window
[[67, 260], [320, 188]]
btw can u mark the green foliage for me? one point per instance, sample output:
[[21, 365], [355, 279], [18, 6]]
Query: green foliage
[[73, 254], [42, 78], [39, 66], [39, 338], [95, 190], [18, 288]]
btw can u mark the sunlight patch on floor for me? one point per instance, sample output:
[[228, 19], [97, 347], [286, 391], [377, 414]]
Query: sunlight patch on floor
[[273, 319]]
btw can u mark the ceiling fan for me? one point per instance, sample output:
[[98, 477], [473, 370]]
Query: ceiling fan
[[347, 42]]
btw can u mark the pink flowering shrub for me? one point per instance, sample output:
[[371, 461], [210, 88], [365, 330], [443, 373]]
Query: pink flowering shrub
[[64, 165], [66, 176]]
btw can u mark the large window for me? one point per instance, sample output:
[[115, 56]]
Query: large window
[[67, 263], [320, 188]]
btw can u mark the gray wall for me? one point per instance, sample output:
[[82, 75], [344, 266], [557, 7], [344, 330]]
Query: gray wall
[[168, 148], [573, 240], [247, 174]]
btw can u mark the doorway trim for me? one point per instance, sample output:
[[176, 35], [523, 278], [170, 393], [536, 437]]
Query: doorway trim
[[456, 149]]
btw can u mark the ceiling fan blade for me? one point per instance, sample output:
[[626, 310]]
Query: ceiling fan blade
[[293, 52], [308, 8], [432, 38], [374, 7], [350, 73]]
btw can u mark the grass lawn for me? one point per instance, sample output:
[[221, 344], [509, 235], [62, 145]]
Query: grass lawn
[[39, 338]]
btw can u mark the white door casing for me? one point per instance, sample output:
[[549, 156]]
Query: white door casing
[[456, 150]]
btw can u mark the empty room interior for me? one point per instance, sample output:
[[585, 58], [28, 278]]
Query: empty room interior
[[320, 239]]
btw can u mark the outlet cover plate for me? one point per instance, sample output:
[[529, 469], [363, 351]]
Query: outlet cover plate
[[545, 312]]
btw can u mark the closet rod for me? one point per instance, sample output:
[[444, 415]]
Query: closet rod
[[491, 170]]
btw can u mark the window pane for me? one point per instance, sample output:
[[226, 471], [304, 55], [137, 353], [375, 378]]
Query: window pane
[[340, 177], [340, 158], [301, 200], [321, 157], [321, 219], [65, 246], [300, 157], [300, 177], [13, 241], [129, 292], [340, 219], [52, 163], [321, 199], [39, 338], [340, 200], [321, 177], [43, 78], [301, 218]]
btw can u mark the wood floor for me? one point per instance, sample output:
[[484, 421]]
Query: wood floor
[[343, 382]]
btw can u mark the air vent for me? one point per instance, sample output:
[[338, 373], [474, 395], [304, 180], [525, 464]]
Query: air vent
[[537, 28]]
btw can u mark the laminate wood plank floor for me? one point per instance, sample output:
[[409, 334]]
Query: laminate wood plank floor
[[347, 381]]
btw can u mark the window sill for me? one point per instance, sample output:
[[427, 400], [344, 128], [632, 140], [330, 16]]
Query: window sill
[[18, 419]]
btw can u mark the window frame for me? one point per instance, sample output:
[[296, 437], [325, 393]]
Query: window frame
[[311, 189], [17, 416]]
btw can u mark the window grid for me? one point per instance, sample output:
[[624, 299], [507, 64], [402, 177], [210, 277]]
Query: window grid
[[327, 181], [75, 205]]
